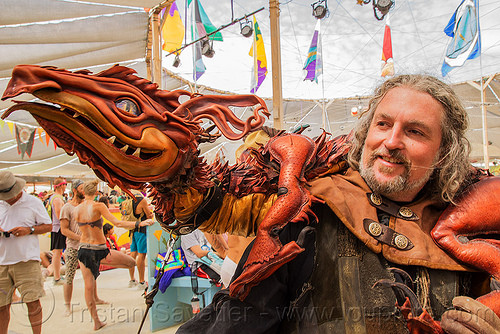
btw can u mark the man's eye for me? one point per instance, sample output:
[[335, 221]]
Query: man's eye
[[128, 106], [416, 132]]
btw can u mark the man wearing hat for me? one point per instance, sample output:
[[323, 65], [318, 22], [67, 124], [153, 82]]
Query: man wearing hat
[[22, 218], [70, 229]]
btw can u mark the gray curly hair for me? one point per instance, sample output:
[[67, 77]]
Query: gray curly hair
[[453, 166]]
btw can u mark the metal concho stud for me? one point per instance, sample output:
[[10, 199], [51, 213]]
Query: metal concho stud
[[376, 199], [401, 241], [375, 229], [405, 211]]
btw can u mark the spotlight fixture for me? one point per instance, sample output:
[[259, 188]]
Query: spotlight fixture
[[320, 9], [177, 61], [381, 8], [246, 28], [207, 48]]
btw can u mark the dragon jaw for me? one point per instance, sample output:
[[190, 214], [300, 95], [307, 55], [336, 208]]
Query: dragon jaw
[[125, 128], [73, 120]]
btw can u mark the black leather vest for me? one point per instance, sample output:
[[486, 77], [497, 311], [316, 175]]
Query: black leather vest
[[340, 299]]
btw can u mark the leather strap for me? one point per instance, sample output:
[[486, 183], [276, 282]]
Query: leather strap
[[388, 206], [387, 235], [211, 202]]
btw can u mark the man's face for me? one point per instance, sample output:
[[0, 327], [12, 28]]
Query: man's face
[[79, 192], [14, 199], [402, 144]]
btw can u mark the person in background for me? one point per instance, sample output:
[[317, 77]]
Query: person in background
[[46, 262], [197, 249], [109, 231], [138, 245], [92, 250], [71, 231], [57, 239], [22, 219], [104, 199]]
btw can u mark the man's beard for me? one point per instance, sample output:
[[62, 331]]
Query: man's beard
[[399, 183], [80, 196]]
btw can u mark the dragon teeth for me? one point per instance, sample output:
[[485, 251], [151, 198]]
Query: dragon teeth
[[111, 139], [124, 148], [137, 152]]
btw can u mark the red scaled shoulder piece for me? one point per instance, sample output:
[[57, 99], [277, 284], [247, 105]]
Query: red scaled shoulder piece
[[293, 152], [469, 231]]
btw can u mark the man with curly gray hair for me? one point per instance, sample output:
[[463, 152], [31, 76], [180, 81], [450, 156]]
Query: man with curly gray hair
[[407, 162]]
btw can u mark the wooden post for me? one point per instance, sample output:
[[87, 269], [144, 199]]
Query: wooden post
[[276, 64], [156, 40], [153, 50]]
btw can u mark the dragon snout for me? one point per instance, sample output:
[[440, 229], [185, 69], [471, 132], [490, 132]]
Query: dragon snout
[[28, 79]]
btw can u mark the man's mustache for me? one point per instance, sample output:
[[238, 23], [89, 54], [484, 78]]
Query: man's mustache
[[392, 154]]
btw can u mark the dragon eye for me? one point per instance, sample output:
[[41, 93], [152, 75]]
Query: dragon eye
[[128, 106]]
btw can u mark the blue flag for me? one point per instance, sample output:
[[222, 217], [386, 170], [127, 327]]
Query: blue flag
[[464, 30]]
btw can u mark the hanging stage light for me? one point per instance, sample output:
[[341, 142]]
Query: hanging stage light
[[381, 8], [207, 48], [177, 61], [320, 9], [246, 28]]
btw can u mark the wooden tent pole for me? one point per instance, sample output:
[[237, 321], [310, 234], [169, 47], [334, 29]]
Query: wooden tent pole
[[276, 63], [156, 68], [153, 52]]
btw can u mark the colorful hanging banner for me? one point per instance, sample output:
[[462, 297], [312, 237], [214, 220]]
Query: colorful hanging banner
[[463, 28], [40, 134], [208, 27], [173, 30], [313, 65], [387, 60], [197, 31], [24, 137], [258, 52], [11, 126]]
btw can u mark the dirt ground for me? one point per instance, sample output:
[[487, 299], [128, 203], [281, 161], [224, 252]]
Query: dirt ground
[[123, 314]]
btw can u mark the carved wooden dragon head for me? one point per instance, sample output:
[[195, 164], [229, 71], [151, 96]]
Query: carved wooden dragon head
[[122, 126]]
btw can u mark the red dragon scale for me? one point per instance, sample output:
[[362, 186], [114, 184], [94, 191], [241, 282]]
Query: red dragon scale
[[293, 152]]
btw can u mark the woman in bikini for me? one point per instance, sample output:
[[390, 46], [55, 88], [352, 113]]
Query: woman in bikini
[[93, 248]]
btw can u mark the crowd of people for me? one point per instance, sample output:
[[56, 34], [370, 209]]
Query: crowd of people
[[79, 239]]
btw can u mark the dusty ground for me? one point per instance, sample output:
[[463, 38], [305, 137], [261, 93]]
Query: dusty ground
[[123, 314]]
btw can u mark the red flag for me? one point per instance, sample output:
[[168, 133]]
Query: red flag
[[387, 61]]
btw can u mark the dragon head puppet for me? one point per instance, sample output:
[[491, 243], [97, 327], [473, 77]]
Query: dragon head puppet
[[122, 126], [130, 132]]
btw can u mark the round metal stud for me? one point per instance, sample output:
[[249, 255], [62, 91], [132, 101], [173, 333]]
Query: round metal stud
[[376, 199], [375, 229], [405, 211], [401, 241]]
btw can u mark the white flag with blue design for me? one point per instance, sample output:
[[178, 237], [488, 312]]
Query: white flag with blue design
[[464, 30]]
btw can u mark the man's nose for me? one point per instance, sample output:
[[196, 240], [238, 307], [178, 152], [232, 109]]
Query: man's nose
[[394, 139]]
